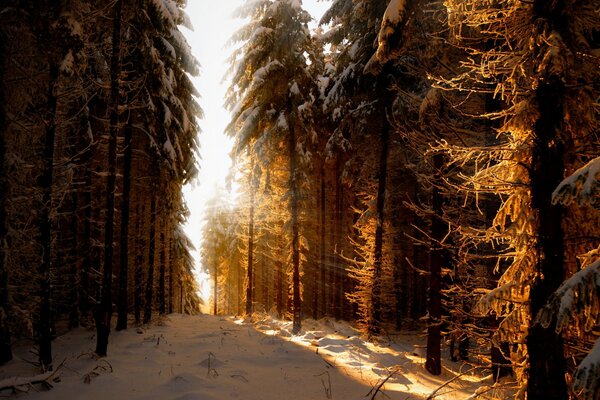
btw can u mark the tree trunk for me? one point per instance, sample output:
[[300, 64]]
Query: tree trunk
[[216, 280], [86, 240], [250, 283], [123, 305], [171, 270], [150, 274], [433, 363], [294, 210], [46, 180], [161, 270], [375, 316], [138, 275], [105, 310], [5, 337], [545, 347], [323, 244]]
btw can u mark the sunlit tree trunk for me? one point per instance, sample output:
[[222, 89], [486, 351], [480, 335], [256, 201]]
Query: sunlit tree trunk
[[294, 210], [249, 267], [322, 242]]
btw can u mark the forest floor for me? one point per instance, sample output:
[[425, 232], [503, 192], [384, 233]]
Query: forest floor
[[207, 357]]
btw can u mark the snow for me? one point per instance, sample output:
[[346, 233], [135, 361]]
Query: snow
[[583, 185], [67, 66], [210, 357], [587, 374]]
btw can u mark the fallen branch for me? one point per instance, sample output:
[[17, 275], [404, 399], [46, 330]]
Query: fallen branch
[[87, 378], [326, 387], [379, 386], [434, 394], [24, 383]]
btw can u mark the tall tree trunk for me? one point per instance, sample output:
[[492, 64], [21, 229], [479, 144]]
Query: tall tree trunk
[[161, 270], [545, 347], [322, 241], [171, 271], [122, 301], [436, 262], [151, 249], [86, 239], [46, 181], [138, 275], [375, 316], [250, 282], [216, 279], [294, 210], [105, 310], [5, 337]]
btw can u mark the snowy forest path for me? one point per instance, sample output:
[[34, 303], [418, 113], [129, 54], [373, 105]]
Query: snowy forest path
[[190, 357], [206, 357]]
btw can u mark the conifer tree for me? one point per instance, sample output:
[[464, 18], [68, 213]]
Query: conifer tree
[[272, 86]]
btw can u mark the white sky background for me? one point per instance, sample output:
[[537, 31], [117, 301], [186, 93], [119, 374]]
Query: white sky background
[[213, 26]]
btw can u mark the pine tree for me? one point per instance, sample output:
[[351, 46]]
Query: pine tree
[[272, 87]]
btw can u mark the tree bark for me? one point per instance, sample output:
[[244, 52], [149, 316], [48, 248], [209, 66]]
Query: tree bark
[[105, 310], [151, 249], [161, 270], [294, 210], [250, 282], [5, 336], [138, 276], [545, 347], [122, 301], [375, 316], [46, 180], [216, 280], [433, 363], [322, 241], [171, 271]]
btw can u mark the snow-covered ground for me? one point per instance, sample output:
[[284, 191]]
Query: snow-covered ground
[[207, 357]]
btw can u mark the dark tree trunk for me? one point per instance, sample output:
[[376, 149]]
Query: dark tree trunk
[[171, 270], [123, 305], [250, 282], [545, 347], [86, 239], [5, 337], [150, 274], [375, 317], [46, 180], [318, 281], [138, 275], [433, 363], [294, 210], [161, 271], [105, 310], [74, 270]]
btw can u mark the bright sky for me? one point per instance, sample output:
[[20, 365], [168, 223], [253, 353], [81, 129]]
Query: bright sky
[[213, 26]]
